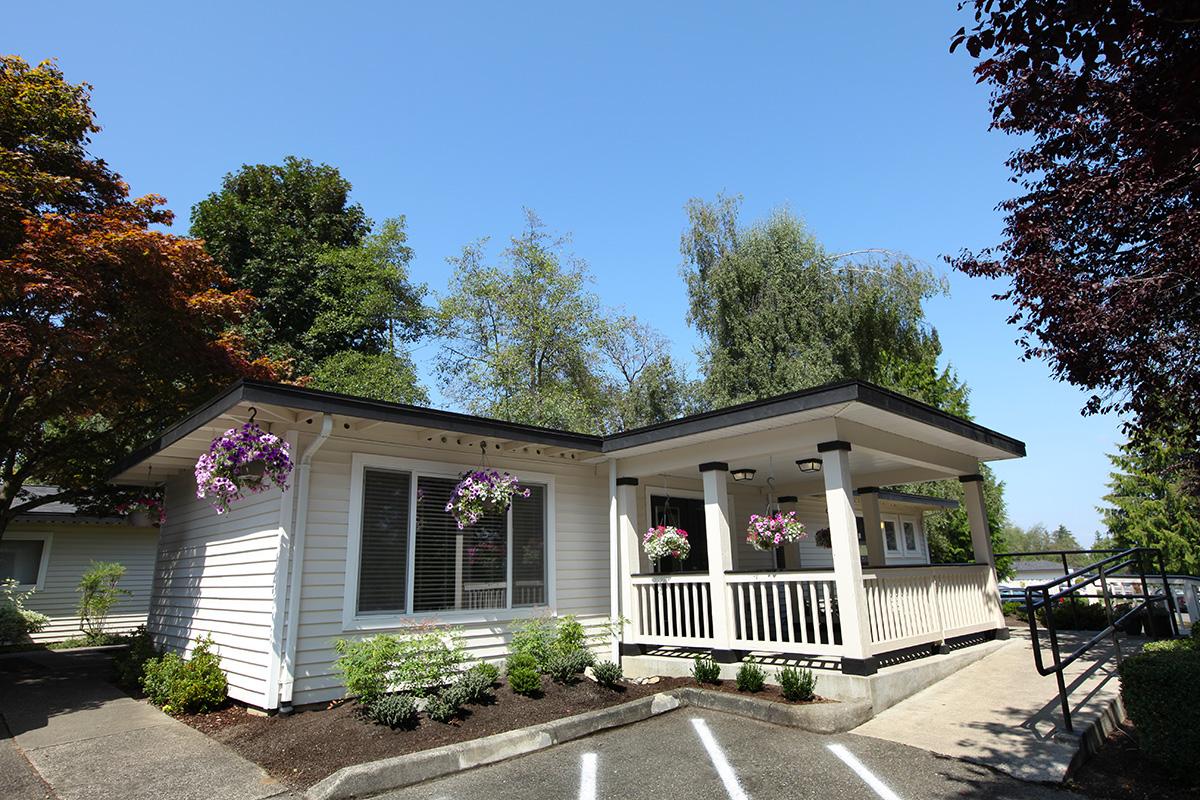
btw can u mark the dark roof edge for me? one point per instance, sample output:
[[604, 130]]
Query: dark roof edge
[[908, 497]]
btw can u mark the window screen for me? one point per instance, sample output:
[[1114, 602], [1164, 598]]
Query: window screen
[[529, 548], [383, 567], [21, 559]]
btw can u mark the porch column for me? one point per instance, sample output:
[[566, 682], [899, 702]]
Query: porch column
[[868, 499], [630, 561], [720, 553], [857, 658], [981, 546]]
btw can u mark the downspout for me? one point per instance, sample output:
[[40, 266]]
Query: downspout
[[614, 572], [296, 557], [283, 563]]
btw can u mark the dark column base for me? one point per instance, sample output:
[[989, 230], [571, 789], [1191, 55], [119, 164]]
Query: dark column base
[[725, 656], [1001, 633], [628, 649], [860, 666], [942, 649]]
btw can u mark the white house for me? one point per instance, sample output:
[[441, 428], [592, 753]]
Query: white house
[[360, 542], [49, 548]]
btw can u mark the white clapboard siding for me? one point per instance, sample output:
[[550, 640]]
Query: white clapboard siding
[[581, 555], [215, 576], [73, 547]]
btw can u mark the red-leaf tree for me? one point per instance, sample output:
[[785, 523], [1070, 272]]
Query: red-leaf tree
[[1102, 243], [108, 328]]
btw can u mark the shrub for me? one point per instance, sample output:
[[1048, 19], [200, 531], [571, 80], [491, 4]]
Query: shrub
[[475, 685], [570, 636], [98, 595], [442, 707], [16, 621], [520, 661], [487, 670], [1084, 616], [608, 673], [419, 662], [750, 677], [564, 667], [705, 670], [186, 687], [525, 680], [393, 710], [1161, 694], [1013, 609], [130, 664], [797, 684], [534, 638]]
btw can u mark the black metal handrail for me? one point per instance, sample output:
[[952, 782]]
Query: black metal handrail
[[1077, 580]]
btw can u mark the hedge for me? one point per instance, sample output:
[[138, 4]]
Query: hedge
[[1161, 690]]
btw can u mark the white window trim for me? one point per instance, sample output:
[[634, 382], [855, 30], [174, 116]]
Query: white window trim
[[46, 538], [919, 551], [353, 621]]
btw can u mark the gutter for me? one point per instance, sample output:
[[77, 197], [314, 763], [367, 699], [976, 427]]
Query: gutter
[[296, 563]]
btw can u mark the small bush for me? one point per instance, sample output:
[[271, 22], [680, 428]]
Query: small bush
[[1162, 695], [393, 710], [750, 677], [533, 638], [705, 670], [569, 635], [564, 667], [16, 621], [1013, 609], [525, 680], [520, 661], [186, 687], [475, 685], [420, 661], [1078, 616], [797, 684], [487, 670], [98, 595], [130, 664], [608, 673], [442, 707]]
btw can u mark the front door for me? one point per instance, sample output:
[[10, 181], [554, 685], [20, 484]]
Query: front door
[[686, 513]]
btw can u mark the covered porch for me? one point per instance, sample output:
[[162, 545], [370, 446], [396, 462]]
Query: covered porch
[[864, 593]]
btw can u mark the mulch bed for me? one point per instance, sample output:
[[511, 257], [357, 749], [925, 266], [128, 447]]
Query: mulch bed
[[306, 746], [1120, 770]]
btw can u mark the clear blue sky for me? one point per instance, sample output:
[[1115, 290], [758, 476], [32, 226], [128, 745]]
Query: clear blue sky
[[604, 120]]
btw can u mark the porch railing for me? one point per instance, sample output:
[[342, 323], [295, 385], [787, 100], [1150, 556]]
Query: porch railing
[[673, 610], [794, 612], [910, 606]]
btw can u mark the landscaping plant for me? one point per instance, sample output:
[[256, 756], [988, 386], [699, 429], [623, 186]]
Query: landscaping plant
[[1078, 616], [420, 662], [475, 685], [1162, 696], [186, 686], [130, 664], [608, 673], [750, 677], [393, 710], [523, 675], [705, 670], [534, 638], [16, 621], [98, 595], [564, 667], [797, 684], [442, 707]]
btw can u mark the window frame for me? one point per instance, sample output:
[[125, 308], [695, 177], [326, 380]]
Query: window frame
[[902, 550], [353, 621], [47, 539]]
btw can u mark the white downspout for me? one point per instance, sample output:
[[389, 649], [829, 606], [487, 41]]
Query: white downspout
[[297, 565], [614, 571]]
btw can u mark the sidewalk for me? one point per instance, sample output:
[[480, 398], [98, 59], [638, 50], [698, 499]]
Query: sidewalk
[[74, 736], [1000, 712]]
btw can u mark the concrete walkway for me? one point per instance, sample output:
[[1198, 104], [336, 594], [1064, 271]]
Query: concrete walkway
[[72, 735], [1000, 712]]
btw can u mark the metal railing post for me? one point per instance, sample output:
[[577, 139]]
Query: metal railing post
[[1058, 669], [1108, 609], [1168, 598]]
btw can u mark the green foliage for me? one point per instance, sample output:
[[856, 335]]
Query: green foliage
[[750, 677], [545, 639], [519, 661], [534, 638], [569, 635], [705, 670], [380, 376], [1079, 616], [524, 680], [565, 666], [419, 662], [1162, 696], [393, 710], [475, 685], [189, 686], [16, 621], [486, 671], [130, 664], [608, 673], [442, 707], [98, 595], [1013, 609], [797, 684]]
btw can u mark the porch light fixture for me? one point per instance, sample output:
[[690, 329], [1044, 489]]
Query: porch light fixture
[[742, 474], [809, 464]]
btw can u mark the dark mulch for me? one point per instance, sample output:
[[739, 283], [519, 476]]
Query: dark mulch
[[306, 746], [769, 692], [1121, 770]]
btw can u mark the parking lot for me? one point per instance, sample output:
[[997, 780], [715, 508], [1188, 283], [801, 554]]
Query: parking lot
[[704, 754]]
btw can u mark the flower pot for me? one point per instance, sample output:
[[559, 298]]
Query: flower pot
[[140, 519], [252, 472]]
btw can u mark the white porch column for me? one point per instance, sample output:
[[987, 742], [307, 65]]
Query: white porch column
[[720, 552], [981, 546], [629, 539], [868, 498], [843, 536]]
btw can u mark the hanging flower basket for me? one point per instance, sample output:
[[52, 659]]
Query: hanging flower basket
[[239, 461], [480, 492], [143, 512], [766, 532], [666, 541]]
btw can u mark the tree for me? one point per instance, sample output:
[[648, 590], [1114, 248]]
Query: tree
[[108, 329], [99, 593], [1150, 505], [651, 387], [1101, 243]]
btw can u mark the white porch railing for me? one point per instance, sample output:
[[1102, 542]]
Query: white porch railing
[[910, 606], [784, 612], [673, 610]]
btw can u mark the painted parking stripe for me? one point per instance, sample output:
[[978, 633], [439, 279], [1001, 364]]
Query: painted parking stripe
[[587, 777], [867, 776], [728, 777]]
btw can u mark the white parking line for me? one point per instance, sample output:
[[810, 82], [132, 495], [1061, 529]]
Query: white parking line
[[587, 777], [728, 777], [868, 777]]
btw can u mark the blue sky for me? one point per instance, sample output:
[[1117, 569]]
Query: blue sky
[[604, 120]]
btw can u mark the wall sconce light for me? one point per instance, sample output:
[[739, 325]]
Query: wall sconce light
[[809, 464], [742, 474]]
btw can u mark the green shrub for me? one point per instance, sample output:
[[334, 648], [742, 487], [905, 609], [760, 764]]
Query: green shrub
[[1013, 609], [608, 673], [442, 707], [475, 685], [1078, 616], [569, 635], [130, 665], [487, 670], [520, 661], [525, 680], [705, 670], [98, 595], [393, 710], [16, 621], [533, 638], [1171, 645], [797, 684], [186, 687], [419, 662], [750, 677], [1162, 696], [564, 667]]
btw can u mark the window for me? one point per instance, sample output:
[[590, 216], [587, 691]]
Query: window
[[910, 535], [900, 536], [21, 559], [889, 535], [412, 558], [686, 513]]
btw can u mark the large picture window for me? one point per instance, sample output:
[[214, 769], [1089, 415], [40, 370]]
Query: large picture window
[[413, 558], [21, 559]]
